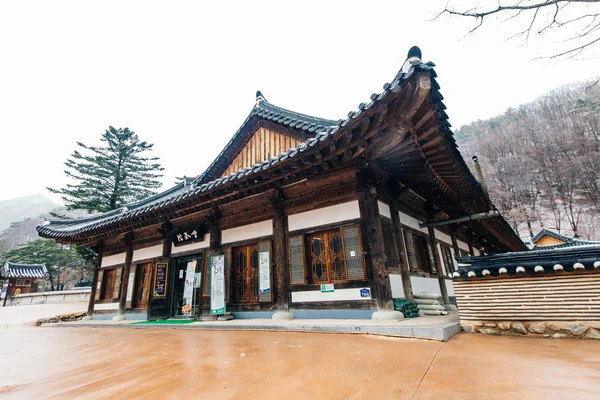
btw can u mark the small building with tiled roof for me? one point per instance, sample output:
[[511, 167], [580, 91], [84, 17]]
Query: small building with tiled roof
[[299, 214], [552, 292], [22, 278], [546, 239]]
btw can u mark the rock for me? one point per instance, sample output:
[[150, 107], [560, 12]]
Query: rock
[[478, 323], [538, 327], [519, 328], [488, 331], [559, 336], [468, 328], [595, 325], [556, 326], [505, 326], [546, 335], [576, 329], [490, 325], [592, 334]]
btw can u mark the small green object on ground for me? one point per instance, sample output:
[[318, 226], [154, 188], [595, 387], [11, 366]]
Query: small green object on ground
[[167, 322], [410, 310]]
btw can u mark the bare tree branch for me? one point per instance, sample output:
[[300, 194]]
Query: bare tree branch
[[550, 21]]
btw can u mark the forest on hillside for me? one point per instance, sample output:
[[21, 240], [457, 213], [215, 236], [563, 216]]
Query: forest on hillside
[[541, 161]]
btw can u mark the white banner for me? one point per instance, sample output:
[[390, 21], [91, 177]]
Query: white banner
[[217, 286], [188, 288], [264, 272]]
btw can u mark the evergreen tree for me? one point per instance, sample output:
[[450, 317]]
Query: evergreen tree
[[111, 175]]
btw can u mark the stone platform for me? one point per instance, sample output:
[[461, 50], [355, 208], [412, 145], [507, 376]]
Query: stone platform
[[440, 328]]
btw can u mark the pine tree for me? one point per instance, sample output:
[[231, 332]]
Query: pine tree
[[111, 175]]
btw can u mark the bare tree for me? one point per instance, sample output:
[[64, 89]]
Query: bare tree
[[577, 20]]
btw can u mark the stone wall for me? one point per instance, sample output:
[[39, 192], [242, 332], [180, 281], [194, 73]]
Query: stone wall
[[545, 329], [61, 318]]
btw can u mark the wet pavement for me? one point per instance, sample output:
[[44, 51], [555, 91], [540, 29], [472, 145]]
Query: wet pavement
[[168, 363], [117, 363]]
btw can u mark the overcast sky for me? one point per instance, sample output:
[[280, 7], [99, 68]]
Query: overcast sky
[[183, 75]]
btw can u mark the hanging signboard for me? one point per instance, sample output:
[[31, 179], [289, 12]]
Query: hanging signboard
[[197, 280], [187, 236], [160, 280], [188, 288], [130, 286], [217, 286], [4, 290], [264, 272]]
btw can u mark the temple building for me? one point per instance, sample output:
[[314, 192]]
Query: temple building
[[22, 278], [300, 216]]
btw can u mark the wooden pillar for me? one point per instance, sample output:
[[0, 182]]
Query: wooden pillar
[[373, 237], [167, 234], [280, 252], [97, 263], [125, 275], [215, 231], [404, 272], [438, 265]]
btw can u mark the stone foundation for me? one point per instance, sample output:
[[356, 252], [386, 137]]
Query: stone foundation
[[545, 329], [61, 318]]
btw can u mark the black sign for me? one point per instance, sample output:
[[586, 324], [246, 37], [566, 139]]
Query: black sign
[[160, 280], [188, 236]]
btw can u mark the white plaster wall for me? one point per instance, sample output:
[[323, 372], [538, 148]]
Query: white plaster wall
[[420, 284], [384, 209], [147, 252], [396, 284], [251, 231], [411, 222], [464, 246], [192, 246], [439, 235], [323, 216], [338, 294], [115, 259]]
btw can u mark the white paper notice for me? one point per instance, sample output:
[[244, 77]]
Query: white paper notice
[[264, 272], [130, 286], [188, 288]]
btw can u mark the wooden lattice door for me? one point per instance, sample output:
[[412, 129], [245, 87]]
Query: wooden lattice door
[[327, 257], [143, 277], [245, 265]]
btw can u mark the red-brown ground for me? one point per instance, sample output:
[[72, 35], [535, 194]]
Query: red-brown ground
[[169, 363]]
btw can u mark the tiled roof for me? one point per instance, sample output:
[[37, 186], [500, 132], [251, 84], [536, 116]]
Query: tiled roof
[[571, 259], [12, 270], [320, 130], [569, 241], [323, 129], [270, 112]]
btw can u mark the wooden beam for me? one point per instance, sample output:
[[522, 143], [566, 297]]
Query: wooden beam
[[438, 265], [280, 250], [97, 263]]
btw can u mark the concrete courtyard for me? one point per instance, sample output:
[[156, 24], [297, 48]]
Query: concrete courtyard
[[105, 362]]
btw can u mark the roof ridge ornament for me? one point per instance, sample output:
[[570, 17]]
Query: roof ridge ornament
[[412, 58], [259, 96]]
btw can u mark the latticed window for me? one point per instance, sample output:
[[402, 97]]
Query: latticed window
[[111, 284], [418, 253], [331, 256], [448, 259]]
